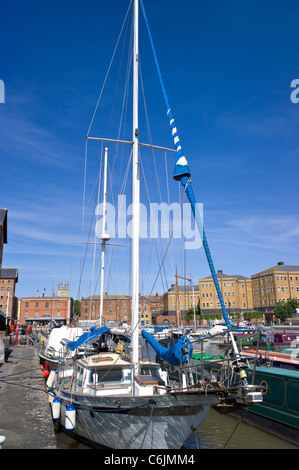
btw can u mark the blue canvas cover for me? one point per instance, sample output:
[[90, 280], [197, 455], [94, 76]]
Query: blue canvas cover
[[86, 337], [173, 356]]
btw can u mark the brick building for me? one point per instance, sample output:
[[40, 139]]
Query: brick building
[[280, 282], [3, 232], [150, 307], [236, 291], [188, 296], [42, 310], [116, 308], [8, 300]]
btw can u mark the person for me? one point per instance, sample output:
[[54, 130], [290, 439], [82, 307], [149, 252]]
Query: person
[[11, 328]]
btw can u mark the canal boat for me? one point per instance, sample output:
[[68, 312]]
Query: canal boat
[[277, 373], [277, 341], [280, 395], [121, 400], [286, 359]]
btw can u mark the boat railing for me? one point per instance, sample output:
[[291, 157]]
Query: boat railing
[[227, 368]]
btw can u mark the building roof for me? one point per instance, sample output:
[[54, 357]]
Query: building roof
[[106, 296], [280, 267], [9, 273], [42, 298], [3, 223], [183, 288], [221, 275]]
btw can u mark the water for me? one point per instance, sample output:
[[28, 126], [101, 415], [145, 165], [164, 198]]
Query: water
[[216, 432]]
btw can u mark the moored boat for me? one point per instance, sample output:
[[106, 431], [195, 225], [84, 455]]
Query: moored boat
[[54, 351], [122, 401], [277, 341]]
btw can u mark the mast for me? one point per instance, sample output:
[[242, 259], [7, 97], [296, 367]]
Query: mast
[[135, 199], [104, 236], [178, 320]]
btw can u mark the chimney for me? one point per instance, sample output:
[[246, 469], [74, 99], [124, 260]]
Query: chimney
[[219, 271], [280, 263]]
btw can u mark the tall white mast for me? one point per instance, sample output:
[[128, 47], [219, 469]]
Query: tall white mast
[[104, 236], [135, 200]]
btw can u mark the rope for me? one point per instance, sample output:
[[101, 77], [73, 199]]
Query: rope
[[233, 432], [100, 96], [170, 238]]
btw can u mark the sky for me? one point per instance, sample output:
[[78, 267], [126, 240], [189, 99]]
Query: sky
[[227, 67]]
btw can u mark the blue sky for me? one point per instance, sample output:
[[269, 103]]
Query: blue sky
[[227, 68]]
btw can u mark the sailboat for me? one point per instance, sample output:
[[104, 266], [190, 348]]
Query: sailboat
[[121, 401]]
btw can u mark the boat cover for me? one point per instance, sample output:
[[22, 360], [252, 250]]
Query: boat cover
[[86, 337], [173, 356]]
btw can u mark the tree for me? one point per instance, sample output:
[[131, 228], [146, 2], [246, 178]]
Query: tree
[[77, 307], [284, 310], [252, 315], [190, 314]]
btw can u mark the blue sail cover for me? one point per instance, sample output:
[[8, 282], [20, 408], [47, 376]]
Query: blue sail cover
[[87, 337], [173, 356]]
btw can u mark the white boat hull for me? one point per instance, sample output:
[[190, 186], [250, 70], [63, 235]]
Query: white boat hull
[[136, 423]]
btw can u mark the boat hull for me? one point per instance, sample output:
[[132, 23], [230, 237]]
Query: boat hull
[[280, 397], [160, 422]]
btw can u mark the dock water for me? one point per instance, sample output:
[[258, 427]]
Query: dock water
[[25, 416]]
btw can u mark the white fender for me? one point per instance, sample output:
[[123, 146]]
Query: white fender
[[55, 409], [70, 418]]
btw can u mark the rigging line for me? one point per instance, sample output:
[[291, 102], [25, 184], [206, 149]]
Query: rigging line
[[86, 248], [123, 113], [155, 241], [153, 159], [170, 236], [100, 96], [168, 200], [99, 178], [83, 212], [95, 235], [112, 248], [117, 81], [125, 99], [82, 243]]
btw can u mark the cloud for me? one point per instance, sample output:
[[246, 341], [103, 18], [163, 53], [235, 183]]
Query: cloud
[[22, 137], [266, 231]]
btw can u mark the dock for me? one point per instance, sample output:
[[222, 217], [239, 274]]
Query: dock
[[25, 415]]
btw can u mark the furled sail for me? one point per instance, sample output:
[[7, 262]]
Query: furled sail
[[87, 337], [175, 356]]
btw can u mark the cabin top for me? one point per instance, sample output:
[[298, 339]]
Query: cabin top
[[108, 359]]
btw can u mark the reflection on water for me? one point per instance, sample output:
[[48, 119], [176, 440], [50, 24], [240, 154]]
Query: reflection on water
[[216, 432], [226, 432]]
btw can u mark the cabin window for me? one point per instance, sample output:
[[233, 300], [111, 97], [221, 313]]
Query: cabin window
[[80, 377], [149, 370], [108, 375]]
